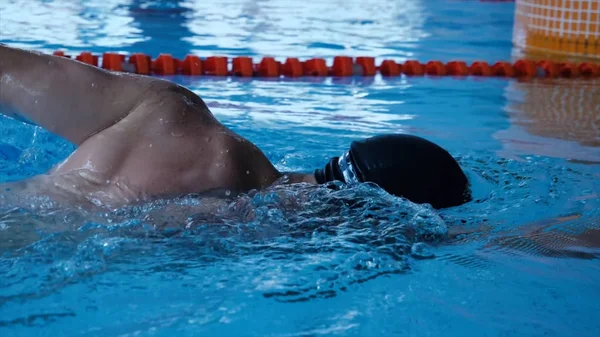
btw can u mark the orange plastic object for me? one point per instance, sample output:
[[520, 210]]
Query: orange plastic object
[[435, 68], [112, 61], [480, 68], [140, 61], [569, 70], [60, 53], [412, 68], [367, 64], [292, 67], [457, 68], [390, 68], [164, 65], [191, 65], [342, 66], [549, 68], [589, 69], [242, 66], [503, 69], [525, 68], [177, 64], [268, 67], [216, 65], [87, 57], [315, 67]]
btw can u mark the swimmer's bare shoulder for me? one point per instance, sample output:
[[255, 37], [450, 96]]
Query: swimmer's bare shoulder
[[138, 137]]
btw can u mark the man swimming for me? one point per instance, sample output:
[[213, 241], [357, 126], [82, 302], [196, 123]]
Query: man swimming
[[140, 138]]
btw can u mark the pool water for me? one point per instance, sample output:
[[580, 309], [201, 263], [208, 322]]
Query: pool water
[[309, 260]]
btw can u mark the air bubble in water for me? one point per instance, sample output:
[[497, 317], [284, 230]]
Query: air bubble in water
[[421, 250]]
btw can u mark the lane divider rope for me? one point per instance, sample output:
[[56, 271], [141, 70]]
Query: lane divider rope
[[243, 66]]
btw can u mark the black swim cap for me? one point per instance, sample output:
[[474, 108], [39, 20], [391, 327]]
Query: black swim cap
[[403, 165]]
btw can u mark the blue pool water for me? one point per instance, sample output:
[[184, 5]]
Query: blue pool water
[[316, 261]]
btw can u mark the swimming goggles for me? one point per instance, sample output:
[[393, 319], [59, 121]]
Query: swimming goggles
[[347, 169]]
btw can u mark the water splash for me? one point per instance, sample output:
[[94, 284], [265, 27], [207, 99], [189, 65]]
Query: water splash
[[288, 244], [335, 236]]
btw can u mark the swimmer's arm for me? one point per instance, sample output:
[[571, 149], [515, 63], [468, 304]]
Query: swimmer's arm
[[66, 97]]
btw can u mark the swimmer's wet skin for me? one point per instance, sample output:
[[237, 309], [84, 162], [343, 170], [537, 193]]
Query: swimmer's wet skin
[[140, 138]]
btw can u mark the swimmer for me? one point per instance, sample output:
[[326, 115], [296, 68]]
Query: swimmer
[[140, 138]]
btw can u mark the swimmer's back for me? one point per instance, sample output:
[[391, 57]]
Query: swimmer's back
[[170, 144], [137, 136]]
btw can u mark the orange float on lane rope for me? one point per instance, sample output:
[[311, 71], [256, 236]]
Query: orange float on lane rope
[[435, 68], [268, 67], [367, 64], [141, 63], [412, 68], [292, 68], [568, 70], [480, 68], [61, 53], [503, 69], [315, 67], [342, 66], [216, 65], [242, 66], [457, 68], [191, 65], [87, 57], [589, 69], [112, 61], [164, 65], [390, 68], [525, 68]]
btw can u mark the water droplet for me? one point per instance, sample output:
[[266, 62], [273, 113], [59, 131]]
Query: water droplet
[[227, 192], [107, 182], [226, 151], [247, 171], [150, 145], [421, 250], [93, 84], [36, 101]]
